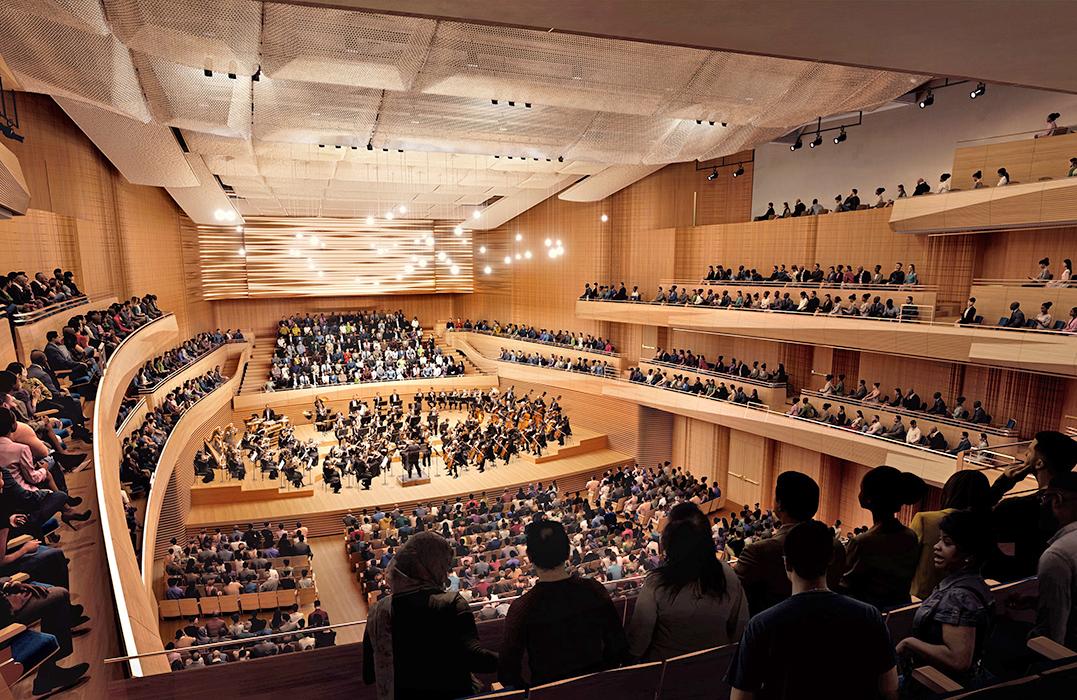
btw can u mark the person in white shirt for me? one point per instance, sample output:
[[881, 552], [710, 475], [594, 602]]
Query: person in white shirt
[[1003, 178], [913, 436], [944, 184]]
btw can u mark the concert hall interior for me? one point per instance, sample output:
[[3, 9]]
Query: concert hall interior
[[591, 345]]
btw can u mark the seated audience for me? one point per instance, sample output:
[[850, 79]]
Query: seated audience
[[692, 601], [367, 346], [952, 624], [776, 660], [563, 338], [154, 371]]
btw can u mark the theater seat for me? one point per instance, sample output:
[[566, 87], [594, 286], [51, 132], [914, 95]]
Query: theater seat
[[697, 676], [638, 682]]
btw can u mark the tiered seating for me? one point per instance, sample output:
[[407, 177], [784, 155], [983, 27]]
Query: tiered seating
[[600, 368], [222, 603], [564, 339], [170, 363]]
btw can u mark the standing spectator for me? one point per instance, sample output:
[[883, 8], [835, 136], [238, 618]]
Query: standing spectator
[[417, 613], [693, 600], [882, 561], [760, 567], [566, 624], [776, 660], [1056, 616]]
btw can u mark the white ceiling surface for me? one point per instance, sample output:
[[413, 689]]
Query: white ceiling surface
[[344, 78]]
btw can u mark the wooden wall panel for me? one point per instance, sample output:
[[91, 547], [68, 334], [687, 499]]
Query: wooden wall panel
[[1035, 401], [1015, 254], [696, 447], [926, 376], [262, 315], [752, 244], [53, 239], [849, 511], [725, 199], [747, 463], [865, 238]]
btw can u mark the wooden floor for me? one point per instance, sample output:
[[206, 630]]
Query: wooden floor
[[90, 587], [320, 509]]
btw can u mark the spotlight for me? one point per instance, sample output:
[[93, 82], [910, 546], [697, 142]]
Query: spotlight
[[257, 75], [560, 159], [441, 256], [519, 237], [458, 230], [739, 171], [208, 73], [699, 121], [337, 146], [817, 141], [370, 221], [476, 214], [552, 252], [713, 175], [604, 218], [927, 100], [980, 89], [369, 146], [797, 146], [455, 270], [517, 256], [482, 250], [841, 136], [527, 254], [511, 103], [355, 148], [486, 270], [231, 76], [242, 252], [527, 104], [493, 102], [402, 209], [389, 215], [508, 260], [239, 229]]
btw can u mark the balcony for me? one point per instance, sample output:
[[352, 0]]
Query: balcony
[[1034, 351]]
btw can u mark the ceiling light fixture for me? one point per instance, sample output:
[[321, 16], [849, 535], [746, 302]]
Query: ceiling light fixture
[[927, 100], [817, 141], [548, 242], [454, 270], [370, 221], [519, 237], [242, 252], [739, 171], [527, 254], [508, 260], [981, 88], [458, 230], [482, 250], [604, 218], [517, 256], [389, 215], [799, 144], [487, 270], [476, 214], [713, 176], [840, 138], [402, 209]]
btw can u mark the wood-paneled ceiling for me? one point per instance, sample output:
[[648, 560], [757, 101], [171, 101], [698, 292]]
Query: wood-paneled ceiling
[[443, 104]]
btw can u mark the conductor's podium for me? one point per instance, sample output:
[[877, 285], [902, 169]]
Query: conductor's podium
[[406, 481]]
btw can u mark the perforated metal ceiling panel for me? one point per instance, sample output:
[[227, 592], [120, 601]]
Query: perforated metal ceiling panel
[[334, 83]]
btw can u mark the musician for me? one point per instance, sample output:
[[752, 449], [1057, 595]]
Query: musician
[[331, 476], [203, 466], [394, 399], [424, 453], [409, 455], [268, 414]]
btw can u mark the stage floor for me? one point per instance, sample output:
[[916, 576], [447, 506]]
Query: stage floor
[[257, 500]]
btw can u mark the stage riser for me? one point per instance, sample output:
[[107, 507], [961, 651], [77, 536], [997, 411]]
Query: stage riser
[[330, 522]]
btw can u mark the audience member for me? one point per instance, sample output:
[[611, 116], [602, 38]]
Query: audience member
[[692, 601], [760, 566], [1056, 616], [881, 562], [418, 611], [567, 625], [791, 646], [964, 490]]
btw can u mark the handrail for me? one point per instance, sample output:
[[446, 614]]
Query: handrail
[[172, 375], [1022, 282], [551, 367], [547, 343], [160, 477], [134, 409], [918, 321], [766, 409], [934, 418], [24, 318], [769, 284], [1010, 137], [114, 523], [716, 374]]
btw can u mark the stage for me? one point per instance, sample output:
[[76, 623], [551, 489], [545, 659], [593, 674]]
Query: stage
[[255, 499]]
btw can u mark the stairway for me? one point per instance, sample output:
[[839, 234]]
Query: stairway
[[257, 369]]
